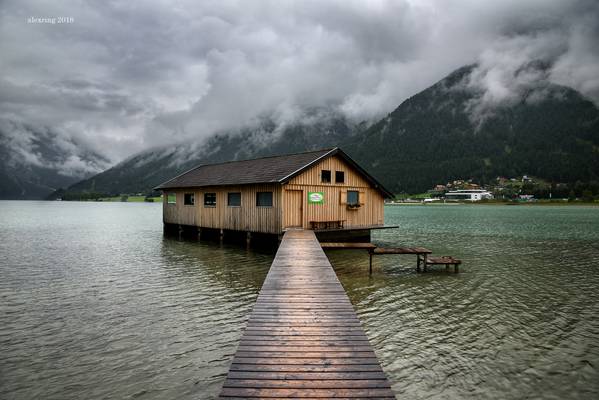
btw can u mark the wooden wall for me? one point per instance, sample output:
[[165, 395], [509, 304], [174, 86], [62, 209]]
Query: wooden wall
[[248, 217], [289, 200], [371, 211]]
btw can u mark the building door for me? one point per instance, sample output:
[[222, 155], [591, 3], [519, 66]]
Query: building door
[[294, 200]]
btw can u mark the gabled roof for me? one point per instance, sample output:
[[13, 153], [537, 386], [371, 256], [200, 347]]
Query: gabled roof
[[275, 169]]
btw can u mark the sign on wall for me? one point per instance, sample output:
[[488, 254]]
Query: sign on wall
[[315, 197]]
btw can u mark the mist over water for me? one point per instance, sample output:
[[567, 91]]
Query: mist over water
[[95, 303]]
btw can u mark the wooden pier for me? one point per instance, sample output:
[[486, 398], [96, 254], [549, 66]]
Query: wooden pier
[[422, 254], [303, 338]]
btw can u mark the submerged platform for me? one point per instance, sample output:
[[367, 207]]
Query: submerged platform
[[303, 338]]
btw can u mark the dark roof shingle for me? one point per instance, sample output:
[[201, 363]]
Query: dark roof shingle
[[260, 170], [275, 169]]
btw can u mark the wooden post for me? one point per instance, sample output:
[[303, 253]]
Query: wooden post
[[456, 269], [222, 235], [370, 268], [248, 239], [199, 233], [425, 263], [180, 231], [418, 262]]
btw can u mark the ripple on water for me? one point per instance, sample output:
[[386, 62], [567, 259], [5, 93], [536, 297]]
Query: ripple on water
[[104, 307], [96, 304], [519, 321]]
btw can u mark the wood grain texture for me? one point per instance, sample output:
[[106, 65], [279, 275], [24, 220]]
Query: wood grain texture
[[303, 338]]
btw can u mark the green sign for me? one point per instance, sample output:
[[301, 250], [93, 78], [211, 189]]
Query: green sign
[[315, 197]]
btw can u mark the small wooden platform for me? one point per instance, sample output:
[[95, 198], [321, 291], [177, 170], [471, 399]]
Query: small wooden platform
[[420, 252], [445, 260], [347, 245], [401, 250], [303, 338]]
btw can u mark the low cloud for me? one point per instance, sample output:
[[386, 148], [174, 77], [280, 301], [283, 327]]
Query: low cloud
[[26, 145], [123, 78]]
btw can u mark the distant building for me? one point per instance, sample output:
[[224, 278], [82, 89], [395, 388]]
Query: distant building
[[469, 195]]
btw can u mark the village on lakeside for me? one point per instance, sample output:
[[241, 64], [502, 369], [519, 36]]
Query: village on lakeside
[[524, 190]]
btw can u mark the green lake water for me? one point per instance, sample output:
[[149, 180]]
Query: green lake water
[[95, 303]]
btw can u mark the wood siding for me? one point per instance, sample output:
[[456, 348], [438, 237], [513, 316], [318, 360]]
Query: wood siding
[[248, 217], [290, 203], [293, 206], [370, 212]]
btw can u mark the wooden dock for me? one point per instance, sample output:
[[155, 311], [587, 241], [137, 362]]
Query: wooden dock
[[303, 338]]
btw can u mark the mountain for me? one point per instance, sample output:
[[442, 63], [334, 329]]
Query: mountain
[[140, 173], [449, 131], [35, 162], [452, 130]]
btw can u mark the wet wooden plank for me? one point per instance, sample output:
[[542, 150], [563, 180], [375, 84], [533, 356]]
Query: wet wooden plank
[[303, 338], [401, 250], [443, 260], [305, 368], [341, 245], [266, 393]]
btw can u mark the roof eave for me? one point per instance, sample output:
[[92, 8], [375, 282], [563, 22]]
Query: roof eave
[[163, 188], [297, 172], [337, 151]]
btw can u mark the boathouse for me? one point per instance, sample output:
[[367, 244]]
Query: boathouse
[[322, 190]]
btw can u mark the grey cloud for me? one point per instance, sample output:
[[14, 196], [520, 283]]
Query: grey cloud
[[128, 76]]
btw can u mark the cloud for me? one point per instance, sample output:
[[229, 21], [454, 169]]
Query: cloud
[[27, 145], [122, 78]]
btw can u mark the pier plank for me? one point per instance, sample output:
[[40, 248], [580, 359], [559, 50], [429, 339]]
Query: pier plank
[[303, 338]]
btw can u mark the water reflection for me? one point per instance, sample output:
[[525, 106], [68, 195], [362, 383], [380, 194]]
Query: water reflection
[[519, 321], [97, 304]]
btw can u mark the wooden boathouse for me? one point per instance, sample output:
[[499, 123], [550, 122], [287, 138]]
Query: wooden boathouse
[[323, 190]]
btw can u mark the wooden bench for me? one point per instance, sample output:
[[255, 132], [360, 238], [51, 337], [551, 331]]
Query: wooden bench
[[447, 260], [328, 224]]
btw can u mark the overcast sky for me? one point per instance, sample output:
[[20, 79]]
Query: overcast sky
[[123, 76]]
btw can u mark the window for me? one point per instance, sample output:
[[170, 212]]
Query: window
[[171, 198], [325, 176], [209, 199], [189, 199], [264, 199], [234, 199], [353, 198], [339, 176]]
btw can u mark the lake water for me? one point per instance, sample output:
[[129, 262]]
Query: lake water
[[95, 303]]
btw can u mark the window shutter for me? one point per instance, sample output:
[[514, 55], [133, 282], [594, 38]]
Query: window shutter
[[343, 197], [362, 197]]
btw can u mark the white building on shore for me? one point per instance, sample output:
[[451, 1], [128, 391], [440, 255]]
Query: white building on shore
[[469, 195]]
